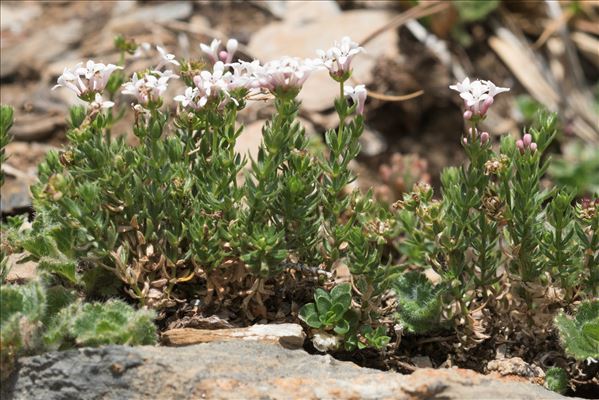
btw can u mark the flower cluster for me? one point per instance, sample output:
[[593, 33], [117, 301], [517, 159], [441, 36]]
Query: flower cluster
[[287, 73], [338, 58], [149, 87], [210, 85], [227, 80], [280, 77], [526, 143], [86, 81], [478, 96]]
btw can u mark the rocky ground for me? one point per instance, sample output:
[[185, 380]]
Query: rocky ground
[[242, 370]]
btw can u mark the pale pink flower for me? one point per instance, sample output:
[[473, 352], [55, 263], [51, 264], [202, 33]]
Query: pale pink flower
[[150, 87], [91, 78], [478, 96], [192, 99], [167, 58], [285, 73], [100, 103], [358, 95]]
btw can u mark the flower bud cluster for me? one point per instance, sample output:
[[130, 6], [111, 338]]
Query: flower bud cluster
[[474, 135], [526, 143]]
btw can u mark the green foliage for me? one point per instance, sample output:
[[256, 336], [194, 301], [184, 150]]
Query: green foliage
[[474, 10], [556, 379], [95, 324], [333, 311], [418, 301], [22, 309], [169, 215], [169, 220], [375, 338], [580, 335], [529, 108], [6, 120], [330, 311], [495, 230], [577, 169], [34, 319]]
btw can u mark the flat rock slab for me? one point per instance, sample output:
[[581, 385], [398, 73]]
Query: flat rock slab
[[239, 370], [290, 336]]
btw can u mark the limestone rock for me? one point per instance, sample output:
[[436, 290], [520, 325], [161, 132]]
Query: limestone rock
[[239, 369], [287, 335], [515, 366]]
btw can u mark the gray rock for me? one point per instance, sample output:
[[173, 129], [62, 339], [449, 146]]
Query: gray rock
[[235, 370], [41, 48], [127, 15]]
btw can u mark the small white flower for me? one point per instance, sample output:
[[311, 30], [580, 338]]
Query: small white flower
[[358, 95], [461, 87], [91, 78], [192, 99], [338, 58], [69, 80], [100, 103], [167, 58], [212, 50], [495, 90]]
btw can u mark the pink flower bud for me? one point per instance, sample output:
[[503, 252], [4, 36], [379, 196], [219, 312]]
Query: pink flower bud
[[520, 146], [484, 137], [527, 139], [486, 104], [533, 147], [464, 140], [223, 55], [467, 114]]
